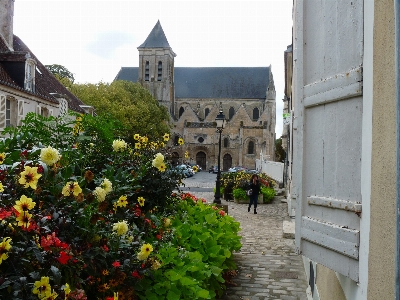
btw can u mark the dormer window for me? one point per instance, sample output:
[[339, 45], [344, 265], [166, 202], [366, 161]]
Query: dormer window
[[30, 67], [159, 76]]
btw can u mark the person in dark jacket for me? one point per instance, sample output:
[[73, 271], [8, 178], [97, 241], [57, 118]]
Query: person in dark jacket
[[255, 186]]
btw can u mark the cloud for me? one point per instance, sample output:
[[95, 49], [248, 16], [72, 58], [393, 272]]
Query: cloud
[[106, 43]]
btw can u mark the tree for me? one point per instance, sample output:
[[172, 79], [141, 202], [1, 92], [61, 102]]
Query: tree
[[279, 152], [61, 72], [129, 103]]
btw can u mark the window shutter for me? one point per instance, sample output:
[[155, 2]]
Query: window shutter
[[38, 110], [2, 111], [327, 133], [21, 115], [51, 112]]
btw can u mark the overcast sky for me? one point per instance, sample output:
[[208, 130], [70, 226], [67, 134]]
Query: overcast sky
[[94, 39]]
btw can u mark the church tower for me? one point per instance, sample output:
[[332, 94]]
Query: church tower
[[156, 67]]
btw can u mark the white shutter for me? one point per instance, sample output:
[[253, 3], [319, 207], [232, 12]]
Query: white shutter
[[2, 112], [38, 110], [51, 112], [21, 115], [327, 95]]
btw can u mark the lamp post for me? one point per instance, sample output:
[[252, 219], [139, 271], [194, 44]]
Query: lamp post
[[220, 120]]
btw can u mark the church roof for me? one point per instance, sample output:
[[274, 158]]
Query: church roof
[[156, 38], [213, 82]]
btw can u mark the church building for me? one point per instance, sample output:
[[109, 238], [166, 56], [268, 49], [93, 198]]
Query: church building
[[195, 95]]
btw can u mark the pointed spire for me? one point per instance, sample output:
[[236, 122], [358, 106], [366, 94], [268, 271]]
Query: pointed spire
[[156, 38]]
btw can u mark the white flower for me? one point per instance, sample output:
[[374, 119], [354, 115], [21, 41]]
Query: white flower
[[120, 227], [119, 145], [49, 156], [100, 194], [106, 185], [158, 160]]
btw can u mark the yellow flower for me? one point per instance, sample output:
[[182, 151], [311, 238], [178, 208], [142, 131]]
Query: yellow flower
[[166, 137], [119, 145], [167, 222], [162, 167], [136, 136], [161, 144], [49, 156], [156, 265], [144, 139], [120, 227], [23, 219], [195, 168], [42, 288], [100, 194], [4, 247], [66, 289], [71, 188], [1, 187], [29, 177], [145, 252], [186, 154], [141, 201], [180, 141], [158, 160], [122, 201], [106, 185], [137, 146], [24, 204], [2, 158], [116, 296]]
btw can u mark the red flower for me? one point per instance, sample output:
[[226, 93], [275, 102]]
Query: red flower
[[105, 248], [222, 213], [40, 169], [116, 264], [24, 154], [136, 274], [4, 213], [158, 236], [64, 258]]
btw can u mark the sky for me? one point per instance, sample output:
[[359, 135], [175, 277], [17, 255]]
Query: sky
[[94, 39]]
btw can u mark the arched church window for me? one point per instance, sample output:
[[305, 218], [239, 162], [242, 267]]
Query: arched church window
[[206, 112], [181, 110], [231, 112], [159, 76], [250, 148], [256, 113], [226, 142], [147, 71]]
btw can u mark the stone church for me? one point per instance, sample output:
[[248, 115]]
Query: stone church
[[194, 97]]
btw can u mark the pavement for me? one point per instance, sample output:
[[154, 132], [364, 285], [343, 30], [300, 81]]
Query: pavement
[[267, 264]]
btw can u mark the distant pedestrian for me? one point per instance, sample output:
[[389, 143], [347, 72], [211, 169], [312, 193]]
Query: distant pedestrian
[[255, 187]]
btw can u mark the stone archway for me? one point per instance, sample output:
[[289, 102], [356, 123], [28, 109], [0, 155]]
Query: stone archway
[[227, 162], [201, 159]]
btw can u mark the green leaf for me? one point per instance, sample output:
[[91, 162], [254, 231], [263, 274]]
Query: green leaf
[[187, 281], [172, 275], [174, 294]]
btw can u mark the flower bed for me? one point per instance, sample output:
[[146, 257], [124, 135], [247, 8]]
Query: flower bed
[[85, 215]]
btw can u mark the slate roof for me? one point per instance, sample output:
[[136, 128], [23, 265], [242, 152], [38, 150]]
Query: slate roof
[[45, 82], [213, 82], [156, 38]]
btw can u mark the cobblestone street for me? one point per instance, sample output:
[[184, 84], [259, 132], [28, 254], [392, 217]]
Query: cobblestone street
[[268, 267]]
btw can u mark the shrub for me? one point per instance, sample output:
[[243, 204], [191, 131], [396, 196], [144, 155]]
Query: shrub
[[268, 194], [240, 194], [90, 217]]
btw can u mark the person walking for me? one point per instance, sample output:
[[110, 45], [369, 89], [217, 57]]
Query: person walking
[[255, 187]]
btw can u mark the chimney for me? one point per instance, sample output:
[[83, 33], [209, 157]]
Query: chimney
[[6, 21]]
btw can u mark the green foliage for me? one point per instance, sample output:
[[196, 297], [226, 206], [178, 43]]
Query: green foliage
[[197, 255], [128, 102], [240, 194], [96, 182], [268, 194], [61, 72]]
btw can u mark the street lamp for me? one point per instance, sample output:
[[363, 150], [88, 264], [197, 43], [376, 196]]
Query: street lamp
[[220, 120]]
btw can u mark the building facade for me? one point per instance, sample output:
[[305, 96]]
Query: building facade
[[344, 147], [25, 83], [194, 97]]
